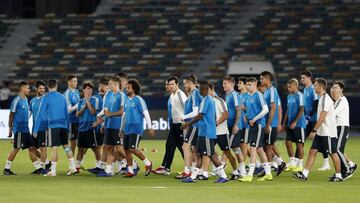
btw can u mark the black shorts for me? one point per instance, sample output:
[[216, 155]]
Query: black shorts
[[244, 136], [271, 138], [325, 144], [57, 137], [235, 140], [191, 135], [73, 131], [296, 135], [309, 128], [99, 137], [205, 146], [112, 137], [87, 139], [40, 139], [131, 141], [256, 136], [223, 142], [23, 140], [343, 136]]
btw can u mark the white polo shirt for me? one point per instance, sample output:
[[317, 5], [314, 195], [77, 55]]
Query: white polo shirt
[[177, 105], [328, 127], [220, 107], [342, 112]]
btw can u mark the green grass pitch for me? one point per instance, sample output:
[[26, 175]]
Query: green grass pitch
[[85, 187]]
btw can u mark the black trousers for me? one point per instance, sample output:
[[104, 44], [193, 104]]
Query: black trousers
[[174, 140], [343, 135]]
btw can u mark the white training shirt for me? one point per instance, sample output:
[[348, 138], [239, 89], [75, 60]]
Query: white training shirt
[[177, 105], [342, 112], [328, 127], [221, 107]]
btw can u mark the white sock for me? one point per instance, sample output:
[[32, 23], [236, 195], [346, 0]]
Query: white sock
[[53, 167], [251, 170], [235, 172], [78, 164], [205, 174], [257, 164], [135, 165], [187, 170], [146, 162], [194, 173], [131, 169], [222, 172], [267, 168], [338, 175], [306, 172], [72, 164], [274, 164], [112, 167], [193, 165], [97, 164], [301, 163], [351, 164], [326, 162], [277, 160], [36, 165], [47, 161], [101, 165], [123, 163], [296, 160], [108, 169], [8, 164], [42, 164], [292, 161], [200, 171], [242, 169]]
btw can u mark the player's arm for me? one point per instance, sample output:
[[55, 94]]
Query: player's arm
[[285, 120], [11, 122], [298, 116], [192, 114], [279, 116], [319, 122], [262, 113], [80, 111], [193, 121], [271, 113], [70, 108], [92, 109], [148, 122]]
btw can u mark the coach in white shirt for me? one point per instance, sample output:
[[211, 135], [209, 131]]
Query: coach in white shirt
[[343, 126], [324, 133], [174, 139]]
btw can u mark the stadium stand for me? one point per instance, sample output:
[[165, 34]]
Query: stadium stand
[[147, 39], [319, 35]]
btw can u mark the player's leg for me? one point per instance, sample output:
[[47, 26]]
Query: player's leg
[[134, 141], [12, 154], [190, 135]]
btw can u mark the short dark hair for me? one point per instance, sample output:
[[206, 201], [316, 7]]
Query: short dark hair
[[192, 77], [23, 83], [243, 79], [252, 79], [88, 84], [204, 84], [307, 73], [322, 82], [52, 83], [39, 83], [135, 86], [230, 79], [115, 78], [341, 84], [267, 74], [70, 77], [173, 78], [211, 86], [122, 75], [103, 81]]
